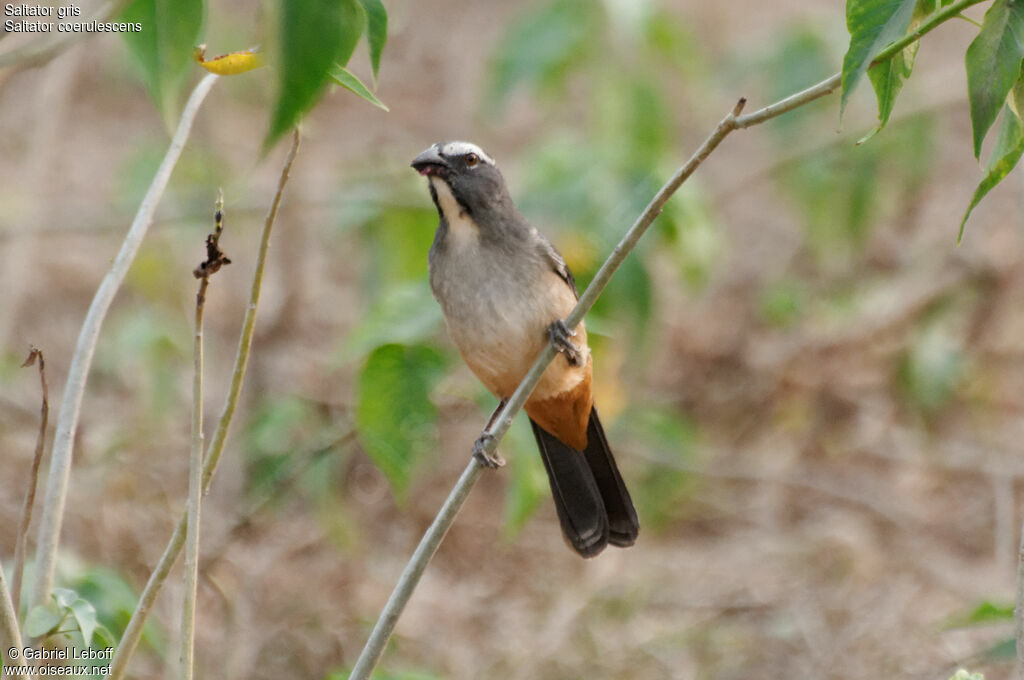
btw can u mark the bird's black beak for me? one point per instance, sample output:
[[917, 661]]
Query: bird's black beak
[[430, 162]]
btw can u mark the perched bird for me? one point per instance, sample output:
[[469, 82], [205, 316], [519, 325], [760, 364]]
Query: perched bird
[[505, 292]]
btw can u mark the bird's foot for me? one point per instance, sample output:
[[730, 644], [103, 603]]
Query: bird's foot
[[488, 460], [561, 338]]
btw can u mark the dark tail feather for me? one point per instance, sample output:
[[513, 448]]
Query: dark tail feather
[[591, 499], [623, 525], [577, 497]]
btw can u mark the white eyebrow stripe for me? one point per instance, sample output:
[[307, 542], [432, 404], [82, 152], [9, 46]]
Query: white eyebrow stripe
[[462, 148]]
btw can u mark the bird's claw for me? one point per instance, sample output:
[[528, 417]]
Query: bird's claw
[[488, 460], [561, 338]]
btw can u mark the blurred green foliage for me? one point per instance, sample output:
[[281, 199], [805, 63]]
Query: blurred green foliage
[[932, 368], [148, 350], [842, 192], [395, 416], [783, 302], [285, 438], [664, 483], [114, 600], [986, 612], [527, 481], [72, 620]]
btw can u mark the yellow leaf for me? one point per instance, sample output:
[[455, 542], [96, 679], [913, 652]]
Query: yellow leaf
[[229, 64]]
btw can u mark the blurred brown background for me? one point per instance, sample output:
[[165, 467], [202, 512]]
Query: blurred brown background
[[814, 393]]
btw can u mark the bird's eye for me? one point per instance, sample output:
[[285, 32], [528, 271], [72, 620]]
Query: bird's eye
[[472, 159]]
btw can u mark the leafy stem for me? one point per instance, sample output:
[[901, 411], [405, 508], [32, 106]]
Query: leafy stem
[[940, 17]]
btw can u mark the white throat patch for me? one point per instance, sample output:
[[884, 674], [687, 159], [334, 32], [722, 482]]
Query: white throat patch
[[452, 149], [460, 227]]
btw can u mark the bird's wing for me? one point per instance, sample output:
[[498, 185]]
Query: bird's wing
[[558, 264]]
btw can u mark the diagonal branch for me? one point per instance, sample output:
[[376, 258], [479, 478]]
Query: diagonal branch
[[428, 545]]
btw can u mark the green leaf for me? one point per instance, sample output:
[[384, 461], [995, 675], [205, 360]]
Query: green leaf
[[44, 618], [85, 616], [993, 63], [1005, 155], [873, 24], [376, 31], [348, 80], [64, 597], [1016, 100], [314, 36], [104, 638], [163, 48], [887, 80], [114, 600], [396, 421]]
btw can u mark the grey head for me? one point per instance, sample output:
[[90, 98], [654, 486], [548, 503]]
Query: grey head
[[473, 179]]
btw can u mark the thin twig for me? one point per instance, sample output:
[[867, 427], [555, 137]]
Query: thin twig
[[33, 479], [827, 86], [133, 631], [10, 636], [215, 259], [374, 647], [413, 571], [71, 403]]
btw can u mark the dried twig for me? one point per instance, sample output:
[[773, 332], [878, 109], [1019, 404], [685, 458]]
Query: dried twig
[[33, 477], [133, 631], [215, 259]]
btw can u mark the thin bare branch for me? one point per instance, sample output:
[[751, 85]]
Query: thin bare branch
[[215, 259], [34, 356], [10, 637]]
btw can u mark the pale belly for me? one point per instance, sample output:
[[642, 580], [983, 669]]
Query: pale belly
[[499, 325]]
